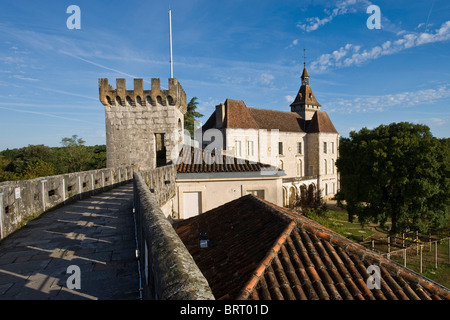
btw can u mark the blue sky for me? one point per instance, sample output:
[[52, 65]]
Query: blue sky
[[244, 50]]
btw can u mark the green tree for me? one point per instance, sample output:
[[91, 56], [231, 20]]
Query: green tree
[[75, 154], [397, 171], [26, 156], [191, 114], [37, 169]]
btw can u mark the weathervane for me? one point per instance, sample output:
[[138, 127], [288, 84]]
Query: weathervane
[[304, 57]]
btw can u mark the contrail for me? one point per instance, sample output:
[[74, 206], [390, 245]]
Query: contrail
[[100, 65], [48, 115], [428, 18]]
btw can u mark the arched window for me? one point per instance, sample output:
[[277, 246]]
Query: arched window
[[292, 196], [138, 100], [325, 171], [119, 101], [300, 168], [150, 100], [332, 166], [170, 100]]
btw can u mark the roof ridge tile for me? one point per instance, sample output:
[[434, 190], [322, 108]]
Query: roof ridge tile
[[265, 263]]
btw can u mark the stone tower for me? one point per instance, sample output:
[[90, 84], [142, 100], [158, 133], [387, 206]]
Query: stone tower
[[305, 103], [144, 128]]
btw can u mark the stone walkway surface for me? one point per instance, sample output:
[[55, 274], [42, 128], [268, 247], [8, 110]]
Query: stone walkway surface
[[95, 234]]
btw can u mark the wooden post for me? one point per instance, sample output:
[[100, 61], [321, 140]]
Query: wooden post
[[389, 244], [404, 257], [420, 266], [435, 255], [417, 242], [403, 238], [373, 245], [430, 240]]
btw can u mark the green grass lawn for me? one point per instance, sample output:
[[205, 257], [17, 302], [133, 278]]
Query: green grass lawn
[[338, 222]]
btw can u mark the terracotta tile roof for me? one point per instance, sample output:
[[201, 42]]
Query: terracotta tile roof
[[320, 122], [238, 115], [195, 160], [305, 96], [261, 251], [273, 119]]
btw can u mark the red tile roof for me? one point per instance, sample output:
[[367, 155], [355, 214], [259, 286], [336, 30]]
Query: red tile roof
[[195, 160], [273, 119], [261, 251], [238, 115], [320, 122]]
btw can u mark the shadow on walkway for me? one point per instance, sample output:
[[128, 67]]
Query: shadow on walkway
[[94, 234]]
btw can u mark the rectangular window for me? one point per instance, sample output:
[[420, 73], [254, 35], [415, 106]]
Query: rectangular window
[[251, 151], [299, 148], [238, 149], [256, 193], [324, 147], [280, 147]]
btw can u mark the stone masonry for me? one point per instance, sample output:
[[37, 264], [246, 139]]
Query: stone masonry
[[143, 127]]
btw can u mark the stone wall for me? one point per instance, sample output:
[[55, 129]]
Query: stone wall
[[168, 271], [20, 200]]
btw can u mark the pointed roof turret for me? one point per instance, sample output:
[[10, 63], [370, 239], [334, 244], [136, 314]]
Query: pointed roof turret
[[305, 74], [305, 95]]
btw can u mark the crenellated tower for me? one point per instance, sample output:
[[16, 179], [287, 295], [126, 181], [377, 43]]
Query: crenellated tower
[[144, 128]]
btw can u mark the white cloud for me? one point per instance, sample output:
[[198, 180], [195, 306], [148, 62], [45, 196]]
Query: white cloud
[[351, 54], [266, 78], [24, 78], [381, 103], [289, 98], [342, 7]]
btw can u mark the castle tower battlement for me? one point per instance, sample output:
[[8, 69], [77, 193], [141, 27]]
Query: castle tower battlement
[[144, 128], [120, 96]]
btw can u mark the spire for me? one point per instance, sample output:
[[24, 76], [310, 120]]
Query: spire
[[305, 75], [305, 103]]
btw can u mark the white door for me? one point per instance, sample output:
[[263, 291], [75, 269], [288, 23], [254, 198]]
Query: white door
[[192, 204]]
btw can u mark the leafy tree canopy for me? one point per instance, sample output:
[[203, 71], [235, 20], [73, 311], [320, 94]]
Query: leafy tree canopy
[[40, 161], [397, 171]]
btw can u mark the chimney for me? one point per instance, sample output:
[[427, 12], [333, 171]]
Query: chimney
[[220, 115]]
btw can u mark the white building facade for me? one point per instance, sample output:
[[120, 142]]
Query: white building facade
[[303, 142]]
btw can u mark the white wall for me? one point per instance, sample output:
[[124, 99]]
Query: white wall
[[216, 192]]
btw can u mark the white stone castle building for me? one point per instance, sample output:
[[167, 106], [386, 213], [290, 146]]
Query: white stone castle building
[[303, 142]]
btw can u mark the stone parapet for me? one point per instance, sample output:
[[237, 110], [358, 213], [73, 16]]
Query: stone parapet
[[21, 200], [168, 271]]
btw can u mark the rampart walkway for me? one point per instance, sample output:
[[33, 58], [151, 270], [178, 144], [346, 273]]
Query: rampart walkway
[[95, 234]]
